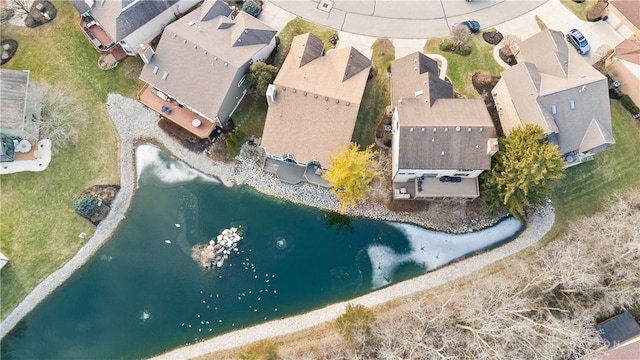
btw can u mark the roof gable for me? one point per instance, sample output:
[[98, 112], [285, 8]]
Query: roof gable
[[595, 136], [348, 62], [306, 48], [211, 9], [630, 9], [629, 50], [548, 51], [416, 75], [250, 31]]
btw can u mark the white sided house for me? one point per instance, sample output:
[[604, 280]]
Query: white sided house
[[440, 144], [118, 27], [195, 78]]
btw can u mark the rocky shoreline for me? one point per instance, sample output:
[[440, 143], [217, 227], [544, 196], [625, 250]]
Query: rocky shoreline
[[136, 124]]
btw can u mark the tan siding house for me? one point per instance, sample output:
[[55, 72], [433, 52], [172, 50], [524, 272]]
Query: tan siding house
[[624, 65], [314, 102]]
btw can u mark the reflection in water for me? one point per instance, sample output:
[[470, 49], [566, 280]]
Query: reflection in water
[[337, 221]]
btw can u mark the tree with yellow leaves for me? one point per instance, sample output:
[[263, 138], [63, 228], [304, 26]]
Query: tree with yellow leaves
[[350, 174]]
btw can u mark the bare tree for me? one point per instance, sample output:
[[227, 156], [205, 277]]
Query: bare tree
[[62, 116], [21, 7]]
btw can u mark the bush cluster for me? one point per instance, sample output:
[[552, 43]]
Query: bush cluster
[[460, 49], [85, 205], [629, 105]]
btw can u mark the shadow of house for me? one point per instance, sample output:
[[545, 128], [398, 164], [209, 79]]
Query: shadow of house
[[21, 106]]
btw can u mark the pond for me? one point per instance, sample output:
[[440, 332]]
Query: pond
[[143, 294]]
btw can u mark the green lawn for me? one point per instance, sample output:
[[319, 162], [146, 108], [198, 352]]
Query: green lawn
[[461, 68], [376, 94], [579, 9], [39, 229], [251, 114], [587, 186]]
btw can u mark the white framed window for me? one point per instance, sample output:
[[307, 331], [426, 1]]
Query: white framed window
[[241, 82]]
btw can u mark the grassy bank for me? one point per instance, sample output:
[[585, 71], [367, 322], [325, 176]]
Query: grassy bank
[[461, 68], [376, 94], [39, 228], [586, 187]]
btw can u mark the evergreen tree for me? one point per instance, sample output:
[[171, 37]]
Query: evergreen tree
[[351, 173], [252, 8], [523, 171]]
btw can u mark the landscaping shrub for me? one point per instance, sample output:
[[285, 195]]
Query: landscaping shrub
[[463, 50], [85, 205], [263, 350], [355, 319], [446, 45], [252, 8], [596, 11]]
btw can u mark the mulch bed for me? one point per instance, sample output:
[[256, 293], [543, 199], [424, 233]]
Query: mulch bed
[[492, 37], [7, 54], [41, 12], [507, 56], [484, 82], [186, 138]]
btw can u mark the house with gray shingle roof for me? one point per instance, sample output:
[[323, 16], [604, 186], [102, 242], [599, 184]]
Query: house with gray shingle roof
[[195, 77], [554, 87], [624, 66], [118, 27], [440, 144], [314, 102]]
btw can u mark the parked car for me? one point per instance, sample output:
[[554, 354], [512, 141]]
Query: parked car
[[473, 25], [575, 38]]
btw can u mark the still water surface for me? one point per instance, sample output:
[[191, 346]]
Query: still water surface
[[142, 293]]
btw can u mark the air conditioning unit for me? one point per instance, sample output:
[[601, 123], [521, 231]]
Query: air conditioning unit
[[271, 93]]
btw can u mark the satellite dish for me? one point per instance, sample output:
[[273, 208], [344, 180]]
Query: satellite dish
[[196, 122]]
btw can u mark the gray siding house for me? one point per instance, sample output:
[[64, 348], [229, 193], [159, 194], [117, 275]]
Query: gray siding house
[[554, 87], [195, 78]]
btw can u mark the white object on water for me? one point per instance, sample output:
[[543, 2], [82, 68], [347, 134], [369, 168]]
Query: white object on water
[[177, 225], [168, 241]]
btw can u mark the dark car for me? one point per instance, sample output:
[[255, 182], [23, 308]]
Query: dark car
[[473, 25], [575, 38]]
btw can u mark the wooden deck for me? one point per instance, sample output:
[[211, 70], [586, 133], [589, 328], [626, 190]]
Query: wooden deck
[[179, 115], [101, 40]]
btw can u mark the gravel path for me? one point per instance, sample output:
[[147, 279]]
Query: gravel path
[[133, 122]]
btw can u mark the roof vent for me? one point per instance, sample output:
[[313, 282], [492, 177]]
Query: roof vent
[[348, 103], [469, 129], [225, 64], [457, 128], [423, 129], [293, 91], [433, 139], [419, 92], [326, 99], [582, 75], [215, 58], [184, 41], [481, 129], [191, 23], [442, 153], [434, 129], [174, 34], [205, 52], [446, 129], [195, 46]]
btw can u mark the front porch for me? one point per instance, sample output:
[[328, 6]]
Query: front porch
[[294, 173], [574, 159], [429, 188], [176, 113], [101, 40]]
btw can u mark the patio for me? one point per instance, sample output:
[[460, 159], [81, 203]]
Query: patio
[[293, 173], [182, 116], [434, 188]]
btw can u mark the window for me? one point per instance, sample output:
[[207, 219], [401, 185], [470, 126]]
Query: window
[[572, 105], [554, 110], [241, 82], [461, 174]]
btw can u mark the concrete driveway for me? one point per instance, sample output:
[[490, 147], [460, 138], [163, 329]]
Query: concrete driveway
[[556, 16]]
